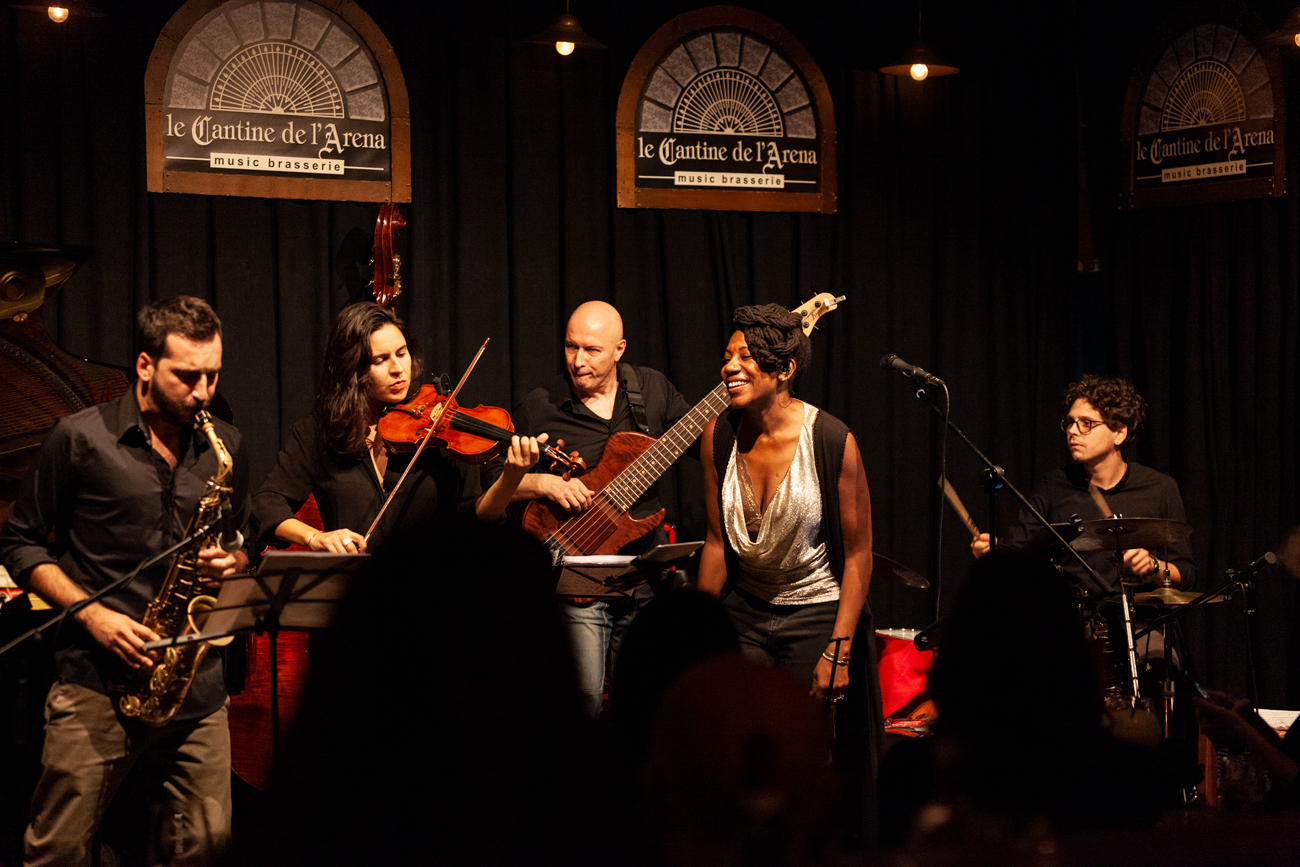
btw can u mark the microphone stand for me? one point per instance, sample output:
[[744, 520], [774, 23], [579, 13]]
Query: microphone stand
[[995, 480], [111, 587]]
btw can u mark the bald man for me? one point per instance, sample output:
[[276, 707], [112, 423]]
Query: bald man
[[597, 396]]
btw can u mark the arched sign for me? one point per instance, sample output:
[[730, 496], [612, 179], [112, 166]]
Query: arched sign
[[1205, 113], [277, 100], [724, 109]]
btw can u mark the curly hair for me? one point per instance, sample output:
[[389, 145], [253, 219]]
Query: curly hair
[[775, 337], [185, 315], [343, 395], [1113, 397]]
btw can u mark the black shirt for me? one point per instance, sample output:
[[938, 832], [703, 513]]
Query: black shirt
[[348, 493], [1142, 493], [557, 411], [111, 502]]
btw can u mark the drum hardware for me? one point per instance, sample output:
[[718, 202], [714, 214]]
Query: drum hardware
[[896, 571], [1235, 580], [1121, 534], [1168, 597]]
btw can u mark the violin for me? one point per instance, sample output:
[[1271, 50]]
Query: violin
[[474, 434]]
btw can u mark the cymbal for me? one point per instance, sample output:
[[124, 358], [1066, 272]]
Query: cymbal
[[1168, 597], [1105, 534], [897, 571]]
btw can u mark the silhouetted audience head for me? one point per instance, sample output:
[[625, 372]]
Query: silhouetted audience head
[[1013, 643], [738, 769], [673, 631], [1019, 749], [442, 721]]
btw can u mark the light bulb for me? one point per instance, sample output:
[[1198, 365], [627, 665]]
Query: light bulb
[[565, 48], [58, 14], [919, 71], [1297, 39]]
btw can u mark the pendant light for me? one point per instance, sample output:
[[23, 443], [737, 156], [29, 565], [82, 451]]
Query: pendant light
[[1288, 35], [919, 61], [566, 34]]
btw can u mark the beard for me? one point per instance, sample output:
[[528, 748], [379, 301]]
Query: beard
[[178, 413]]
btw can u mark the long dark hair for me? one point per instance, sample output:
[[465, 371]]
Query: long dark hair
[[343, 395]]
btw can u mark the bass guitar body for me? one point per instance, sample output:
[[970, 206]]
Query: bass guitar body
[[605, 527]]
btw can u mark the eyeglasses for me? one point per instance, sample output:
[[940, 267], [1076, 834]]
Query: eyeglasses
[[1085, 424]]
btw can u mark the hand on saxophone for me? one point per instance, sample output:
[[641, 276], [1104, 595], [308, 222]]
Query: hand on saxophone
[[119, 633]]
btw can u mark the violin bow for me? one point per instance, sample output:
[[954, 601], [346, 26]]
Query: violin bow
[[424, 440]]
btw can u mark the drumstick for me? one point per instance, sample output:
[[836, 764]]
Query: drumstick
[[958, 507], [1095, 493]]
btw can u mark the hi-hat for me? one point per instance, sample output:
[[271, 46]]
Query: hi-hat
[[1168, 597]]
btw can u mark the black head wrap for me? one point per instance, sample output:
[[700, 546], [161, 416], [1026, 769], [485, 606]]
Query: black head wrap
[[775, 337]]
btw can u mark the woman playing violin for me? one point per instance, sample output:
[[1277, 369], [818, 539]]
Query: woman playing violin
[[789, 511], [338, 454]]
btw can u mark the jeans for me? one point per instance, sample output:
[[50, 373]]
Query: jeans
[[596, 632], [791, 637]]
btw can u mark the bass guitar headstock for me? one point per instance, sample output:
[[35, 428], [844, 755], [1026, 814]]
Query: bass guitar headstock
[[812, 309]]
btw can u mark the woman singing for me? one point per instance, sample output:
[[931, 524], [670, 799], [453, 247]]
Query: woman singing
[[337, 453], [789, 511]]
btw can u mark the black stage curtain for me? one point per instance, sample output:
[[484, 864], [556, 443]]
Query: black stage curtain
[[955, 243]]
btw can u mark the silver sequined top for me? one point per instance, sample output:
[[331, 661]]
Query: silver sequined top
[[787, 564]]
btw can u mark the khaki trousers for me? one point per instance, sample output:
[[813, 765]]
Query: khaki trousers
[[88, 753]]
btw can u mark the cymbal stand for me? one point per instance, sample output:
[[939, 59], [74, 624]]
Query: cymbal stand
[[1128, 616], [1166, 580], [1247, 585]]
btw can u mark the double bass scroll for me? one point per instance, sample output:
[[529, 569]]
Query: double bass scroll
[[387, 280]]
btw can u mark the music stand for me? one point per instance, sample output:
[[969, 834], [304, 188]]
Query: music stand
[[298, 589], [609, 576]]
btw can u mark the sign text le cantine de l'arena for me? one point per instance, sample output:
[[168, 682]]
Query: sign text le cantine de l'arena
[[1204, 119], [724, 109], [277, 99]]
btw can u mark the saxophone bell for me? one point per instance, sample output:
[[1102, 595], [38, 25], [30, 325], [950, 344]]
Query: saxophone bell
[[200, 609]]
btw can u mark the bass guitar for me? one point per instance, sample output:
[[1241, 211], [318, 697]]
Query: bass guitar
[[630, 464]]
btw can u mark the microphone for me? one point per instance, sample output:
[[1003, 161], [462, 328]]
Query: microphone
[[1268, 559], [231, 538], [911, 371], [230, 543]]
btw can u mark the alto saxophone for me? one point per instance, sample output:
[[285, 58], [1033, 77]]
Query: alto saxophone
[[153, 695]]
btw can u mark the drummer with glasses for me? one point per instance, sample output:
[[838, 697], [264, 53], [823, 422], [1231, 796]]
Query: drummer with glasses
[[1103, 418]]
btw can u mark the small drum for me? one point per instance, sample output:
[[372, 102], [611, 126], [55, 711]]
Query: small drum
[[903, 669]]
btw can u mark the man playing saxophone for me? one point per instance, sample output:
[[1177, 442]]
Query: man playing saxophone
[[114, 485]]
